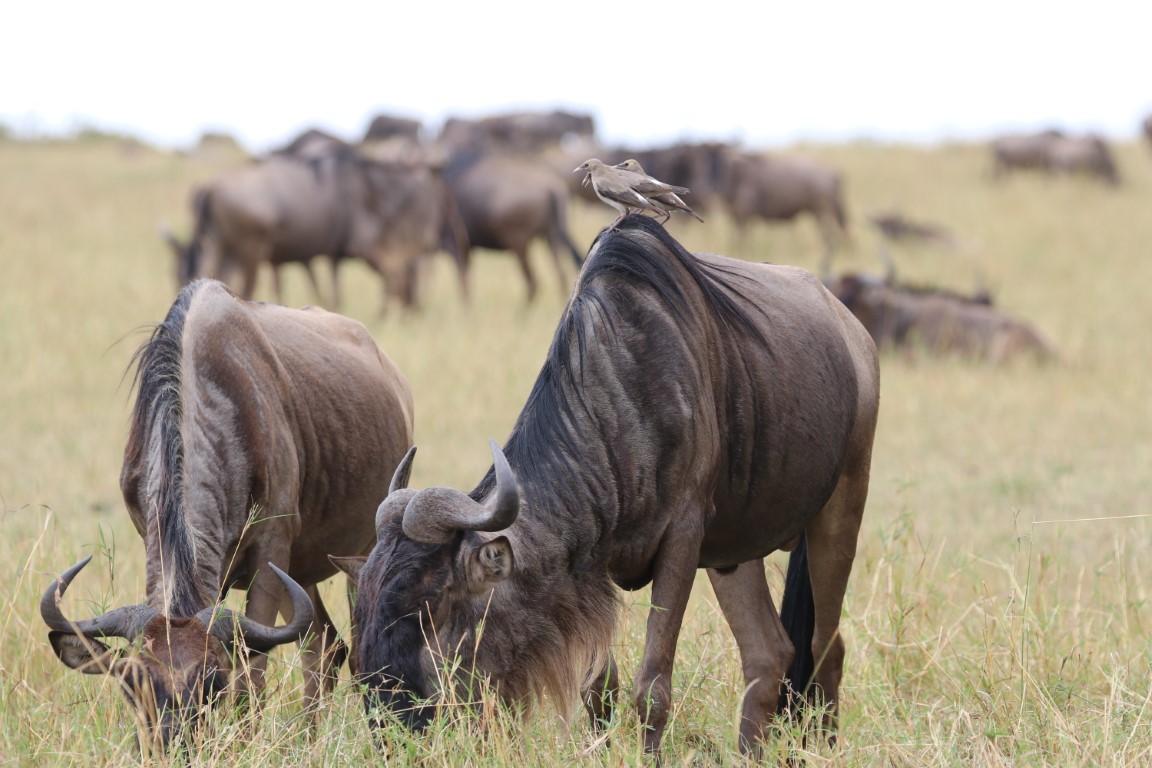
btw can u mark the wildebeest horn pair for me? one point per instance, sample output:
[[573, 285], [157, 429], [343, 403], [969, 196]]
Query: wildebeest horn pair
[[129, 621], [435, 514]]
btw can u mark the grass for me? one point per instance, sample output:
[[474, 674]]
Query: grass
[[999, 610]]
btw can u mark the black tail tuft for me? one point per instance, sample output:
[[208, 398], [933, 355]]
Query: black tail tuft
[[798, 615]]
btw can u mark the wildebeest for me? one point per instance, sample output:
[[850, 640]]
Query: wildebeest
[[260, 435], [693, 411], [897, 227], [1053, 151], [1087, 155], [1023, 151], [779, 188], [938, 320], [522, 132], [384, 127], [311, 143], [1147, 127], [507, 202], [337, 203]]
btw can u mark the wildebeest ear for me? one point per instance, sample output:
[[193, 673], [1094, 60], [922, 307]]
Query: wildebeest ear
[[351, 565], [491, 562], [83, 653]]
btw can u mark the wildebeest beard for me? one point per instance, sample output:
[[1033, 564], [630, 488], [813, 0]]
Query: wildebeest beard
[[390, 607]]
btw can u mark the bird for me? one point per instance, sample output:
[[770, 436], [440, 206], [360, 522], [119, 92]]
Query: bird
[[613, 187], [667, 200]]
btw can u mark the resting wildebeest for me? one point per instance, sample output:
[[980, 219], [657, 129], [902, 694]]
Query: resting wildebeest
[[778, 188], [693, 411], [336, 203], [938, 320], [506, 202], [260, 435]]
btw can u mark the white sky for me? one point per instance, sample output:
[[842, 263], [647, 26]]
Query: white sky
[[759, 72]]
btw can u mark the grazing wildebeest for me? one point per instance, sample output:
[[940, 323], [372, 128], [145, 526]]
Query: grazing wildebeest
[[938, 320], [506, 202], [693, 411], [1088, 155], [260, 435], [1023, 151], [335, 202], [779, 188]]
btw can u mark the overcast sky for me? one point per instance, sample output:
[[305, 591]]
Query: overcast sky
[[764, 73]]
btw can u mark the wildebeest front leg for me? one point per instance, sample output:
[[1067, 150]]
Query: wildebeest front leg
[[765, 650], [671, 586], [324, 652], [600, 695]]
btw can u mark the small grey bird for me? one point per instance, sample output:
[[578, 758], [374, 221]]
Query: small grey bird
[[668, 199], [613, 187]]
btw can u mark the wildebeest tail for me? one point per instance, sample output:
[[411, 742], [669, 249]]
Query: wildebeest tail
[[560, 221], [798, 615]]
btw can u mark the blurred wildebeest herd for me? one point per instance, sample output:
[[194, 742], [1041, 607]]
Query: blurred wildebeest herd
[[648, 448], [502, 182]]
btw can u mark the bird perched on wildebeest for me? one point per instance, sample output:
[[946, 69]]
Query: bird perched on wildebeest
[[651, 188], [615, 187]]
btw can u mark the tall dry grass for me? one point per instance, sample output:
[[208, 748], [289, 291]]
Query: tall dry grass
[[999, 610]]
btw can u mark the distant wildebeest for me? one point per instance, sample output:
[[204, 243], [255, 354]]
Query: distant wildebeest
[[384, 127], [312, 143], [1023, 151], [1053, 151], [260, 435], [693, 411], [938, 320], [1086, 155], [897, 227], [507, 202], [523, 132], [779, 188], [335, 202]]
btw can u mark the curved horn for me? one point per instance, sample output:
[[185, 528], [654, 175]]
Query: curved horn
[[403, 470], [223, 623], [124, 622], [435, 514]]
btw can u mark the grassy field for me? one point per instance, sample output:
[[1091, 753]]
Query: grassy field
[[999, 610]]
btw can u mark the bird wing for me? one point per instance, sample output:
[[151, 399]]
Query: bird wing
[[647, 185], [611, 186]]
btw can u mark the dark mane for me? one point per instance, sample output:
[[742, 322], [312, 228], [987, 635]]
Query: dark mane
[[157, 382], [544, 441]]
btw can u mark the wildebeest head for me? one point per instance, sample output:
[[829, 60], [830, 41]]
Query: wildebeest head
[[426, 585], [179, 665]]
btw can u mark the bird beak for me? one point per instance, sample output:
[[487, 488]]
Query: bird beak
[[577, 170]]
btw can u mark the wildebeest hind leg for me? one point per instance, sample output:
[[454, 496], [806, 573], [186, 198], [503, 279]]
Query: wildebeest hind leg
[[765, 650], [831, 550]]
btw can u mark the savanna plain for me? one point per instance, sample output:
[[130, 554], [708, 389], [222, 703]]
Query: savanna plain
[[999, 611]]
